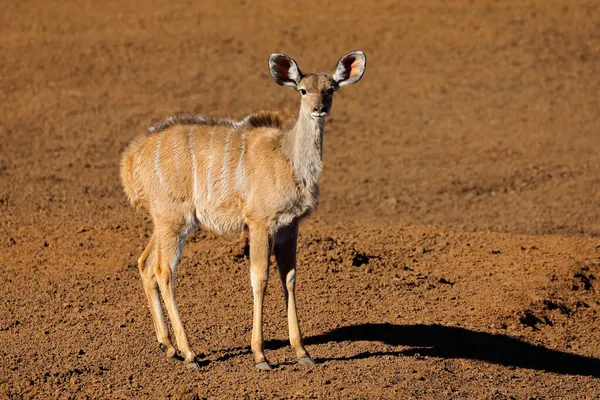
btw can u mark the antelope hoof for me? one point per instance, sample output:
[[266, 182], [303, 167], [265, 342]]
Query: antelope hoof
[[306, 361], [263, 366], [170, 351]]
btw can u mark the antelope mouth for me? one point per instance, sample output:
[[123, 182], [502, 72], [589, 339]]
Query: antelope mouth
[[318, 115]]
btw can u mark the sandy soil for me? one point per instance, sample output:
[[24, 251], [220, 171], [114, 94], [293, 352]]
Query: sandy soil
[[455, 253]]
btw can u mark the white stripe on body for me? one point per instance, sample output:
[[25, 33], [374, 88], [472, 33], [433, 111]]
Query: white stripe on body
[[224, 177], [194, 166], [211, 161], [240, 173], [157, 161], [176, 155]]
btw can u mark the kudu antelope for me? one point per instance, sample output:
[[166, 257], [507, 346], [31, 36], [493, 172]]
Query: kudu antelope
[[227, 176]]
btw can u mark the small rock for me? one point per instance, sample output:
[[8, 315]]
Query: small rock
[[420, 250]]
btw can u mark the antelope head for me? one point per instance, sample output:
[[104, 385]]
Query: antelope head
[[317, 88]]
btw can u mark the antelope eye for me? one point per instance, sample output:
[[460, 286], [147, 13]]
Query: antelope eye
[[329, 92], [302, 92]]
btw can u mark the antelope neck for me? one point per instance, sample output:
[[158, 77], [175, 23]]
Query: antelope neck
[[304, 147]]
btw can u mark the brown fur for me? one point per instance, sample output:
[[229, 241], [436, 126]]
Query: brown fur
[[266, 119]]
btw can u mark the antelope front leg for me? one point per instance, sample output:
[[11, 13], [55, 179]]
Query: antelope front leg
[[259, 276], [285, 254]]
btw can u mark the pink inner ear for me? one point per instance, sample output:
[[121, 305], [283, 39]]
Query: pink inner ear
[[356, 67], [282, 72], [282, 68]]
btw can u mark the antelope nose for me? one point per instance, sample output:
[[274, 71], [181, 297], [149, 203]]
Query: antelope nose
[[319, 109]]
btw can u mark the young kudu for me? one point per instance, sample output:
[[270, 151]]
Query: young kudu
[[226, 176]]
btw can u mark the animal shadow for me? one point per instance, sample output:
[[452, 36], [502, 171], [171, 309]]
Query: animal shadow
[[454, 342]]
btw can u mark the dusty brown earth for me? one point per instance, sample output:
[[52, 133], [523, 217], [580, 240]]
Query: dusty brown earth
[[455, 252]]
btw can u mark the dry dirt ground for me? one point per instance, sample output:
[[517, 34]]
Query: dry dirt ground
[[455, 252]]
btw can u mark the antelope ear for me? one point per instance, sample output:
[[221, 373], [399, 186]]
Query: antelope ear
[[284, 69], [350, 68]]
